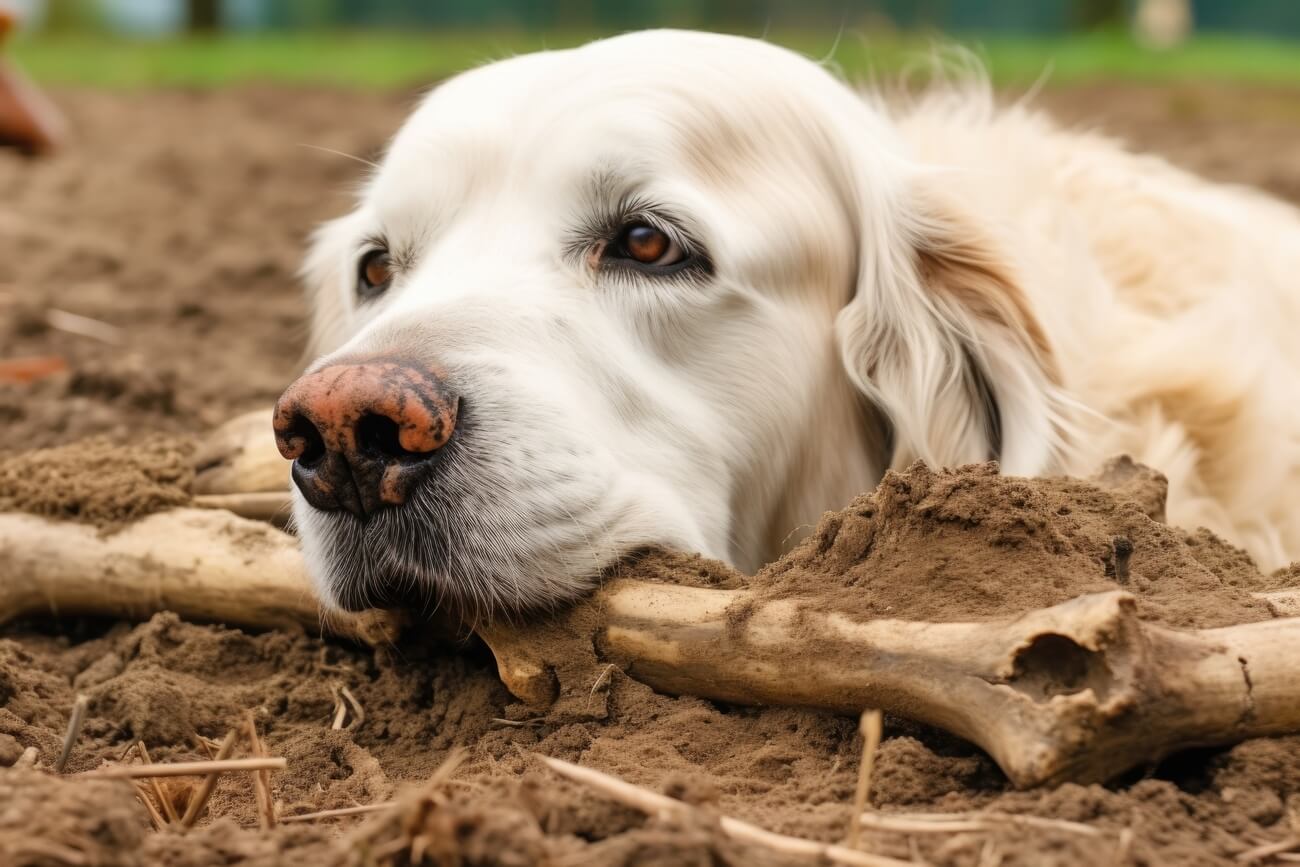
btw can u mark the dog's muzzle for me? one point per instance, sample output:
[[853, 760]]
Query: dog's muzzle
[[363, 435]]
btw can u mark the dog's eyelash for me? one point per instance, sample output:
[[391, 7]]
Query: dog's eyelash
[[400, 256], [604, 227]]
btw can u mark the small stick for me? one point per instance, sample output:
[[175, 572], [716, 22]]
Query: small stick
[[950, 823], [28, 758], [261, 779], [83, 326], [653, 803], [340, 710], [518, 723], [359, 715], [341, 811], [189, 769], [603, 680], [75, 720], [1268, 849], [871, 726], [157, 787], [200, 798]]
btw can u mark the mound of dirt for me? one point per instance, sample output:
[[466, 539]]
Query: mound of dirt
[[179, 218], [973, 545], [99, 481]]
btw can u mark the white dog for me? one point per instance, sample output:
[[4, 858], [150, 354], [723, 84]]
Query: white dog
[[690, 290]]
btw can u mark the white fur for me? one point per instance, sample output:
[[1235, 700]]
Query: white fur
[[880, 276]]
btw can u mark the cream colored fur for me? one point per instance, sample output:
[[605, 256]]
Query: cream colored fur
[[1172, 305], [874, 285]]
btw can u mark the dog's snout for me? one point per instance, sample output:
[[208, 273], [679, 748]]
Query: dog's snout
[[362, 435]]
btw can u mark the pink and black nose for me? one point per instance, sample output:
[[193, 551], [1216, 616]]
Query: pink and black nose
[[363, 435]]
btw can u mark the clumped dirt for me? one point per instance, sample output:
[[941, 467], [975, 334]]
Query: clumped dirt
[[97, 480], [973, 545], [179, 219]]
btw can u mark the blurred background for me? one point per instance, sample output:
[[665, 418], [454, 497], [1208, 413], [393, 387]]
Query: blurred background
[[148, 268], [397, 42]]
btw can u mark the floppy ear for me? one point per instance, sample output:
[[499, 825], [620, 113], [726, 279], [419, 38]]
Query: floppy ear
[[942, 338]]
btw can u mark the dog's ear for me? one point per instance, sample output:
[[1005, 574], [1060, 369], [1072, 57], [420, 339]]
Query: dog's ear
[[941, 336]]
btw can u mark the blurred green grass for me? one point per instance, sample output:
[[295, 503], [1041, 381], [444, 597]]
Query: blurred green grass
[[373, 59]]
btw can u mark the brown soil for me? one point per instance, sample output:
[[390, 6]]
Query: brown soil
[[973, 545], [165, 223], [97, 480]]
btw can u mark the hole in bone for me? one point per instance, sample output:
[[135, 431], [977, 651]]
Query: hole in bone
[[1055, 665]]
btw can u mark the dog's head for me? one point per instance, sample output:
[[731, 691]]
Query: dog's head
[[668, 289]]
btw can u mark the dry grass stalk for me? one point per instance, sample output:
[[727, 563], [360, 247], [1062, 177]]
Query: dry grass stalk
[[75, 721], [406, 821], [216, 767], [155, 818], [517, 723], [341, 811], [165, 801], [200, 798], [871, 726], [340, 709], [1270, 850], [261, 779], [653, 803], [83, 326], [358, 714], [955, 823]]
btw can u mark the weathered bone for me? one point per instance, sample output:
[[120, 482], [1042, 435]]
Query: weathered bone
[[1079, 691], [1082, 690], [205, 565], [240, 457]]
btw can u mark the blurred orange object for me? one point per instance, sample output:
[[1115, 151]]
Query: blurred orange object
[[17, 371], [27, 119]]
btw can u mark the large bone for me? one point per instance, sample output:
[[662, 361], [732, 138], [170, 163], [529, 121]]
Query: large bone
[[1080, 691], [239, 468], [205, 565]]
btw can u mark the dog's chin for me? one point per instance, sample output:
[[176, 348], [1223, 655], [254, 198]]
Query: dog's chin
[[418, 560]]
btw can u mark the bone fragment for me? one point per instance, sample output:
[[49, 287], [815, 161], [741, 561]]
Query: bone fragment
[[205, 565], [1080, 691]]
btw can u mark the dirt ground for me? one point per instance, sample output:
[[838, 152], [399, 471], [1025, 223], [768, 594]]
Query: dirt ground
[[179, 218]]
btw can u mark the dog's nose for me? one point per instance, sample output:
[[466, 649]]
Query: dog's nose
[[362, 435]]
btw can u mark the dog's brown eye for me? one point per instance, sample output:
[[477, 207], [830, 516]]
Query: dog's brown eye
[[374, 274], [647, 245]]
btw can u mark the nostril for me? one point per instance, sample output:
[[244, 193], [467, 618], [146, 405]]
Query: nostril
[[303, 432], [379, 436]]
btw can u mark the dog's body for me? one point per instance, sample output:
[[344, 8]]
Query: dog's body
[[1171, 305], [844, 288]]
